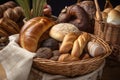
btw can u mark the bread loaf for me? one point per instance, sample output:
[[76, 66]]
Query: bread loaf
[[58, 31], [67, 43], [79, 44], [14, 14], [32, 31], [9, 26]]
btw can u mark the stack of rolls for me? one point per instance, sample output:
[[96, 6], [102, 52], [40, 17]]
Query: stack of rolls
[[111, 18]]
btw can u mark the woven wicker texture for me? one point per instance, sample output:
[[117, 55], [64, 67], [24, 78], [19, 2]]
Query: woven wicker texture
[[74, 68], [108, 32]]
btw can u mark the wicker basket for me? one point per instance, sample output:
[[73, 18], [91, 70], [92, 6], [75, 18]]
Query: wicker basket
[[108, 32], [39, 75], [74, 68]]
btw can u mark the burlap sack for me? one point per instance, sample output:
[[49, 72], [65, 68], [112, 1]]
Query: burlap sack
[[15, 60]]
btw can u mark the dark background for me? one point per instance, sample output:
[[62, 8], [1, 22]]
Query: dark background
[[58, 5]]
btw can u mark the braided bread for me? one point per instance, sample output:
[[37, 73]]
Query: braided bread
[[13, 13]]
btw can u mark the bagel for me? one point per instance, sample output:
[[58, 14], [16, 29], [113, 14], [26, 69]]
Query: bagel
[[76, 15]]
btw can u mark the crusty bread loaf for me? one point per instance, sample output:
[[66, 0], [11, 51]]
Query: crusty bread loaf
[[58, 31], [30, 35], [79, 44], [67, 43]]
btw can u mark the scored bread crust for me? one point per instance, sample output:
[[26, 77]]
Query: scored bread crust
[[30, 35], [58, 31]]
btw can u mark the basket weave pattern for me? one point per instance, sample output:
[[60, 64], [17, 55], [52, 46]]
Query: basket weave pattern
[[74, 68]]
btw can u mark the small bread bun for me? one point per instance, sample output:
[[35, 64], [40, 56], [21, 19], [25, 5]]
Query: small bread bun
[[114, 17], [95, 49], [117, 8], [107, 10], [58, 31], [104, 16]]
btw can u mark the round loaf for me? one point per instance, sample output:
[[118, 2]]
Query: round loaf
[[58, 31], [114, 17]]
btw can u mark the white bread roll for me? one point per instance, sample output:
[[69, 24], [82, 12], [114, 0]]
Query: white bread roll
[[117, 8], [58, 31], [107, 10], [95, 49], [114, 17]]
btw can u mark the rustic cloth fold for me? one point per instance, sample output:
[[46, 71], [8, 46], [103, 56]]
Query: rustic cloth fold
[[15, 60]]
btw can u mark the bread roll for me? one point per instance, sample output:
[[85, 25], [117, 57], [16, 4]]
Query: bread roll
[[114, 17], [58, 31], [67, 57], [95, 49], [104, 16], [107, 10], [30, 34], [79, 44], [117, 8], [67, 43]]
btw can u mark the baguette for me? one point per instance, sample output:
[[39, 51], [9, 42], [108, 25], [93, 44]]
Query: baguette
[[67, 43], [79, 44]]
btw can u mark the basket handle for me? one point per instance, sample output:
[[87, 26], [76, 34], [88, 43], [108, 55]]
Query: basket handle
[[108, 4], [98, 12]]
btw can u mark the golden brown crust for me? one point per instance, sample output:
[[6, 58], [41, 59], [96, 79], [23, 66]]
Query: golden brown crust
[[59, 31], [67, 43], [79, 44], [30, 35], [8, 25]]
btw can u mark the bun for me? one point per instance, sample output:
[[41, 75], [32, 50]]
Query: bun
[[50, 43], [114, 17], [67, 43], [32, 31], [67, 57], [107, 10], [117, 8], [95, 49], [79, 44], [44, 53], [58, 31], [104, 16]]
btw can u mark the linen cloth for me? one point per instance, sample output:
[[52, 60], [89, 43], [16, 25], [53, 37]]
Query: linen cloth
[[15, 60]]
